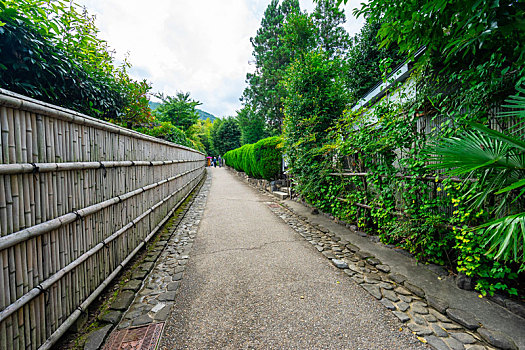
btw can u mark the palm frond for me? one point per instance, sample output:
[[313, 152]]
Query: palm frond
[[472, 151], [513, 186], [510, 140], [517, 103], [497, 159], [506, 237]]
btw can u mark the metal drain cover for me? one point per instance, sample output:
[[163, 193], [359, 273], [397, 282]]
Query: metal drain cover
[[143, 338]]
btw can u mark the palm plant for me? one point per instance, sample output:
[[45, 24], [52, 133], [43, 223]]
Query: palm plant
[[497, 159]]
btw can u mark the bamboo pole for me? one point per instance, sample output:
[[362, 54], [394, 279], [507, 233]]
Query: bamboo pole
[[51, 167], [13, 100], [3, 135], [50, 225], [436, 178], [130, 225], [74, 316]]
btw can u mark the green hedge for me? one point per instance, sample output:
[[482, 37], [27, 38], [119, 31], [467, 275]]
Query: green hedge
[[259, 160]]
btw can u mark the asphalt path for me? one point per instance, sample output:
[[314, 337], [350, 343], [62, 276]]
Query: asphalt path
[[252, 282]]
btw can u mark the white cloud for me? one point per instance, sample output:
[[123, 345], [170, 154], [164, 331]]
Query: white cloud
[[200, 46]]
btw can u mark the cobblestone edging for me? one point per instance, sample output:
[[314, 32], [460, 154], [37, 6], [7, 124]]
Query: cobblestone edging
[[463, 332], [157, 295], [149, 295], [428, 322], [429, 318], [463, 282]]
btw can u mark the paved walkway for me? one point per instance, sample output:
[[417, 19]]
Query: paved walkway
[[252, 282]]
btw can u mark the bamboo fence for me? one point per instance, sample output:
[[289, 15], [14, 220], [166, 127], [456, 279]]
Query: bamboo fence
[[79, 197]]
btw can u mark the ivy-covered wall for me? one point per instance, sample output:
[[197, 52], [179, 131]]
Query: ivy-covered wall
[[375, 172]]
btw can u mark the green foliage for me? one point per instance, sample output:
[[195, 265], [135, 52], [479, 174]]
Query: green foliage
[[315, 99], [267, 158], [168, 132], [202, 132], [50, 51], [263, 93], [252, 125], [259, 160], [300, 34], [453, 29], [179, 110], [417, 215], [214, 138], [474, 262], [191, 129], [474, 50], [136, 107], [332, 37], [364, 60], [227, 136], [247, 161], [498, 160]]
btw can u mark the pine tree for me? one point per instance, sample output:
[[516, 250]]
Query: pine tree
[[263, 93]]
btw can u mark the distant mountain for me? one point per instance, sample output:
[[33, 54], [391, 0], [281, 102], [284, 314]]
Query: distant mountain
[[154, 105], [202, 115], [206, 115]]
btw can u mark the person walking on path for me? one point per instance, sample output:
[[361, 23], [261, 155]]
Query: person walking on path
[[252, 282], [214, 162], [220, 162]]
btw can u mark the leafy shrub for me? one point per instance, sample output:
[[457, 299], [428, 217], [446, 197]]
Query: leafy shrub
[[247, 159], [50, 51], [259, 160], [267, 157], [168, 132]]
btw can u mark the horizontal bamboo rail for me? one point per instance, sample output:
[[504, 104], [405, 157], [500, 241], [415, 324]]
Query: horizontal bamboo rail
[[437, 178], [42, 287], [82, 308], [20, 236], [16, 101], [400, 214], [15, 169], [79, 197]]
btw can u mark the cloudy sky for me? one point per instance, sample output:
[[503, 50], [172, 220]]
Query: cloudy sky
[[200, 46]]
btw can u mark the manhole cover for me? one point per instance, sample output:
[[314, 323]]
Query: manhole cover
[[143, 338]]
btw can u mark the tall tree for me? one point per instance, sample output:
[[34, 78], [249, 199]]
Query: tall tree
[[202, 131], [252, 125], [333, 38], [300, 35], [315, 99], [365, 57], [271, 59], [179, 110], [228, 136]]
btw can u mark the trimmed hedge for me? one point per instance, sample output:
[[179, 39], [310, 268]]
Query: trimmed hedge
[[260, 160]]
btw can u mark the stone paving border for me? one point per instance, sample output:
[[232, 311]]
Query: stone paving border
[[131, 308], [429, 318], [406, 301], [157, 295]]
